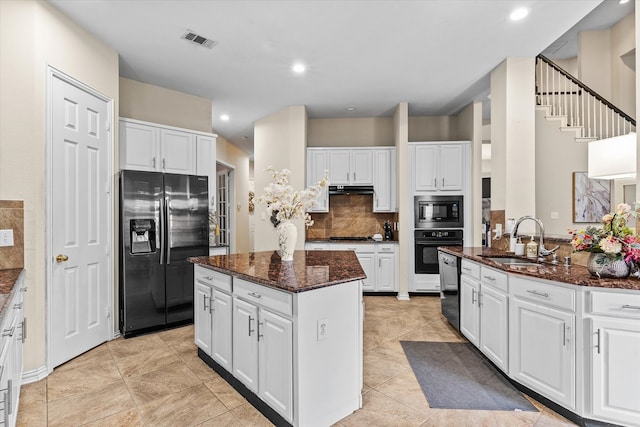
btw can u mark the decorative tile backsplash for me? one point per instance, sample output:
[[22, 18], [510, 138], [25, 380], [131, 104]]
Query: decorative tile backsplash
[[349, 216], [12, 218]]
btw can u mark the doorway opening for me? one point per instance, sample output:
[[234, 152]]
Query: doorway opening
[[225, 194]]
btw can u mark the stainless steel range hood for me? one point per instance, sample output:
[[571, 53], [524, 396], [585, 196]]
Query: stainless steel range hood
[[350, 189]]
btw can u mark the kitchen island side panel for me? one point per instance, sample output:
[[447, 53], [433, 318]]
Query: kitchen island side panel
[[328, 358]]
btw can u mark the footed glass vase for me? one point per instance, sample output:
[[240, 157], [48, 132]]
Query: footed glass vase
[[287, 237], [602, 266]]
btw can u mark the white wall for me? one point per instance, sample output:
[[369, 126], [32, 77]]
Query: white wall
[[470, 129], [405, 199], [33, 34], [356, 132], [280, 140]]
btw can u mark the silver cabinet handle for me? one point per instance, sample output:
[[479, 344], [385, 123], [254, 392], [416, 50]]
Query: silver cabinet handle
[[473, 296], [250, 330], [17, 306], [540, 294], [631, 307], [493, 279], [153, 161], [208, 278], [163, 164], [598, 342], [354, 177], [443, 181], [253, 294], [259, 334], [24, 329], [9, 332], [435, 182], [347, 176], [466, 269], [204, 300]]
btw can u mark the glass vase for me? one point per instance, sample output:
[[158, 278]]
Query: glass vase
[[603, 266]]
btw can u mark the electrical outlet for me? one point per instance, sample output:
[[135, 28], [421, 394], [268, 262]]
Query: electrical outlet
[[6, 237], [554, 215], [323, 329]]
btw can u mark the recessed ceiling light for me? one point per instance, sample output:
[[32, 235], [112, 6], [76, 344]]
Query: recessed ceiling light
[[350, 108], [623, 1], [518, 14], [298, 68], [224, 117]]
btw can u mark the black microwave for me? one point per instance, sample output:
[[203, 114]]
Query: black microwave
[[438, 212]]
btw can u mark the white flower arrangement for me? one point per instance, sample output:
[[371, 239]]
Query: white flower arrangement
[[283, 203]]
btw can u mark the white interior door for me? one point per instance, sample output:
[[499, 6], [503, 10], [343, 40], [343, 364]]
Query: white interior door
[[80, 210]]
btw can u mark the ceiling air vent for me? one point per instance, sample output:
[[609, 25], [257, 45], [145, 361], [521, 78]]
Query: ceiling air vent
[[198, 39]]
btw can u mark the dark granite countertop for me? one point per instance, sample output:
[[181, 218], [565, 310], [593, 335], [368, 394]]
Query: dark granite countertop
[[8, 278], [349, 241], [309, 269], [574, 274]]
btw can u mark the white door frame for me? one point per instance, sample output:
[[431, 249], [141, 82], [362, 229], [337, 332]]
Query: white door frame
[[231, 203], [51, 74]]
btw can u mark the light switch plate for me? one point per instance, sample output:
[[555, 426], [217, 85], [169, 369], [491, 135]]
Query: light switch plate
[[6, 237], [323, 329]]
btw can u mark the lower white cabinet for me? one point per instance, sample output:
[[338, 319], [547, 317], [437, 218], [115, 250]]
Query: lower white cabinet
[[469, 309], [212, 310], [614, 355], [13, 334], [542, 348]]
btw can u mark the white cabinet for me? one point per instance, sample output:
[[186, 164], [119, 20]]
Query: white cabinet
[[384, 180], [484, 311], [317, 165], [263, 344], [542, 349], [350, 166], [206, 164], [379, 262], [152, 147], [13, 334], [439, 167], [213, 314], [317, 246], [614, 350], [366, 254]]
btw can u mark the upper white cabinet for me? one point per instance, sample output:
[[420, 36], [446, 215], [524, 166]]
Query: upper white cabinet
[[317, 164], [439, 167], [206, 163], [384, 180], [152, 147], [350, 166]]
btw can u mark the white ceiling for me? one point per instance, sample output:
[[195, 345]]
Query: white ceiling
[[433, 54]]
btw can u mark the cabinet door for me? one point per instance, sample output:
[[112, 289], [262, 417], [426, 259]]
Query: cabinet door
[[451, 172], [221, 350], [245, 343], [202, 316], [139, 147], [362, 167], [426, 168], [615, 381], [494, 332], [6, 367], [316, 167], [367, 261], [339, 167], [275, 362], [384, 181], [386, 274], [178, 152], [469, 311], [206, 164], [542, 350]]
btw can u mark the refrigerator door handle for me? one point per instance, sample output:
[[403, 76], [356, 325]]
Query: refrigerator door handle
[[167, 233], [162, 231]]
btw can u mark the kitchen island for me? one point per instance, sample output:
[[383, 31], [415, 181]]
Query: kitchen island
[[569, 339], [286, 335]]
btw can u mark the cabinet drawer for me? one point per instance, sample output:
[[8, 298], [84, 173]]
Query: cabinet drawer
[[625, 304], [317, 246], [548, 294], [264, 296], [357, 247], [386, 248], [470, 269], [212, 278], [495, 278]]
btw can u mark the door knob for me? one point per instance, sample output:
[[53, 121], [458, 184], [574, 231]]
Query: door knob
[[61, 258]]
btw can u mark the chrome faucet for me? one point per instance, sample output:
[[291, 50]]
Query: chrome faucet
[[542, 251]]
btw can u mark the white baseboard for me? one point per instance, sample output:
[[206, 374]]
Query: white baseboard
[[403, 297], [36, 375]]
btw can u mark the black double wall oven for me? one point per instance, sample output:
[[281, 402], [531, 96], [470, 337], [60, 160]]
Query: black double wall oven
[[439, 221]]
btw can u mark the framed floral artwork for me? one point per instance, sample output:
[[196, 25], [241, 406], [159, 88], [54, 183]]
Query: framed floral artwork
[[591, 198]]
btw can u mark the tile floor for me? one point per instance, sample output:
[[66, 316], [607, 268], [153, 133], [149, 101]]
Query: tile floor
[[158, 380]]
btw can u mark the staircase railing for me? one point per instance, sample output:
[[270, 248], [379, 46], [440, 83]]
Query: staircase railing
[[583, 107]]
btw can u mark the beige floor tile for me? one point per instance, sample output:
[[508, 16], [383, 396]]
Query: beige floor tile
[[225, 420], [189, 407], [227, 394], [549, 418], [147, 361], [249, 416], [125, 347], [199, 368], [89, 375], [128, 418], [379, 368], [380, 410], [93, 405], [154, 385], [100, 354], [405, 389], [32, 409], [177, 336]]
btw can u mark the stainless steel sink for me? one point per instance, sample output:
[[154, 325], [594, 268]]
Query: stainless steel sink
[[514, 261]]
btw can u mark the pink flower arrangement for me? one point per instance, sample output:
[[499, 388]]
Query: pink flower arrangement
[[615, 238]]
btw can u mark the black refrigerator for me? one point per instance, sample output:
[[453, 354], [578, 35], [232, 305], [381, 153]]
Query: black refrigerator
[[163, 221]]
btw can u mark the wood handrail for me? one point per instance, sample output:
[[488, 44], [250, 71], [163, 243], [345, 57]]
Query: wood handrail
[[587, 89]]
